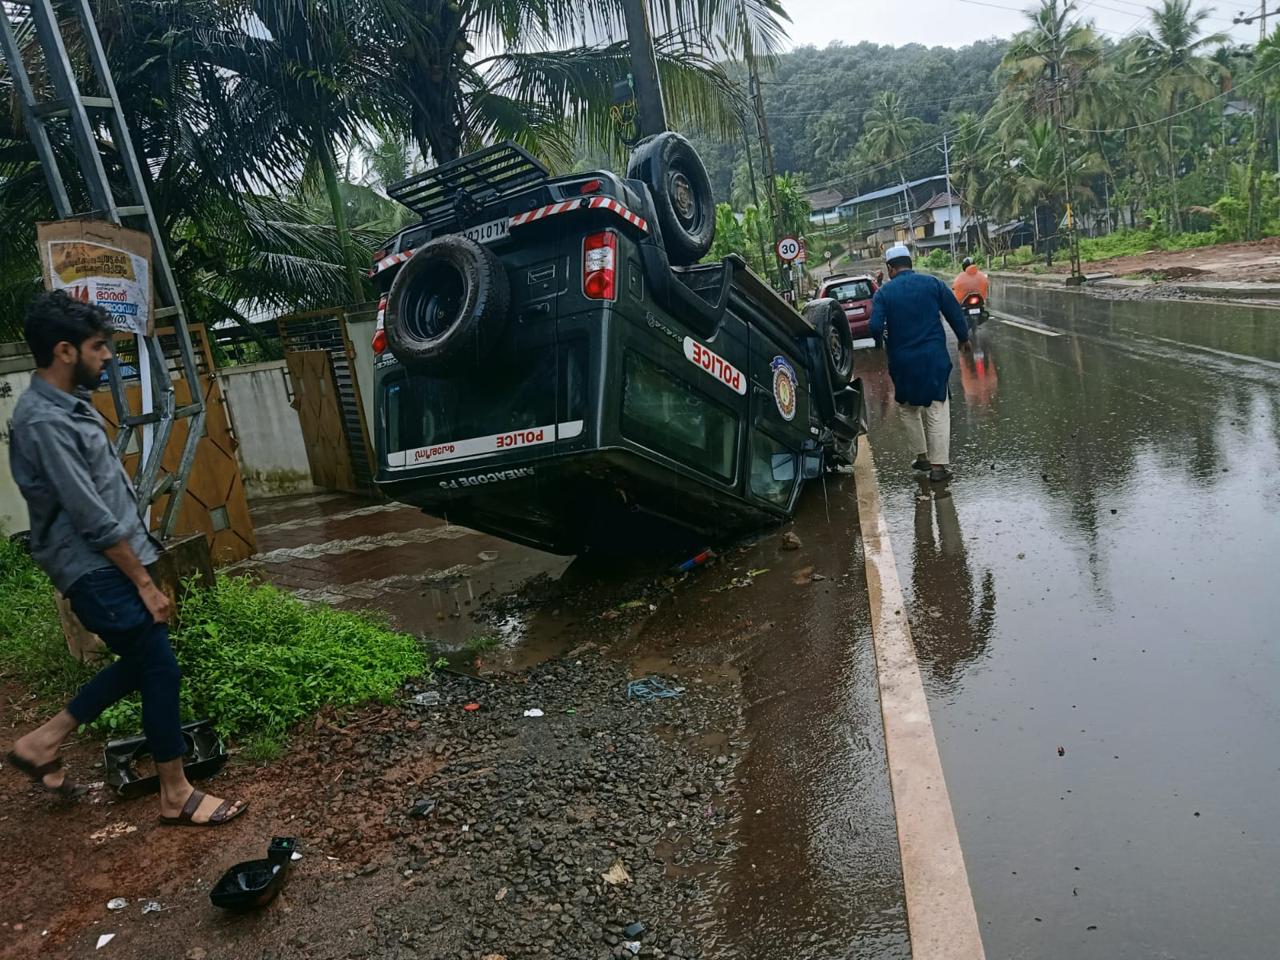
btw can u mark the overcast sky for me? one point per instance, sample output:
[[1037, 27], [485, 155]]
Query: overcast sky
[[954, 23]]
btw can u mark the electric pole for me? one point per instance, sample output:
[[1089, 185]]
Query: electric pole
[[1056, 108], [755, 195], [766, 150], [946, 163], [651, 112]]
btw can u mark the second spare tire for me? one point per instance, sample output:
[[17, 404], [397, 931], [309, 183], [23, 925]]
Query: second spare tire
[[447, 307], [682, 197]]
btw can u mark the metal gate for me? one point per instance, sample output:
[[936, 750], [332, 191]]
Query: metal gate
[[326, 330], [214, 503]]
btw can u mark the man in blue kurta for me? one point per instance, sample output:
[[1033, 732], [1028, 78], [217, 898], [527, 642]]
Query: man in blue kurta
[[905, 313]]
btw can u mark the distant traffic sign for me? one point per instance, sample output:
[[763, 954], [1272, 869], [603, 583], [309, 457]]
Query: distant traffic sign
[[803, 255], [788, 249]]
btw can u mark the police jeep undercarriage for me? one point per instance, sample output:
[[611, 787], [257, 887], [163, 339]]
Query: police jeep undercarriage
[[554, 366]]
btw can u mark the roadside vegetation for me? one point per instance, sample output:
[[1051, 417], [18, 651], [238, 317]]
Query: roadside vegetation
[[254, 659], [1161, 140]]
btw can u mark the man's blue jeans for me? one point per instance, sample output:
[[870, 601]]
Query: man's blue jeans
[[107, 602]]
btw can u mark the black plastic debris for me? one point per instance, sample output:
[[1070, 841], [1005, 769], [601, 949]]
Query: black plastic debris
[[422, 808], [252, 884], [205, 756]]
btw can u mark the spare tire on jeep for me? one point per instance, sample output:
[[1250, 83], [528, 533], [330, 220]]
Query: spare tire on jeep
[[827, 317], [682, 197], [447, 306]]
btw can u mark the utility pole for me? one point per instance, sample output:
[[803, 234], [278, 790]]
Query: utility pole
[[766, 150], [946, 162], [651, 111], [1056, 107], [755, 195]]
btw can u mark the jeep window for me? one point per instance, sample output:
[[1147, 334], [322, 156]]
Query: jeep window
[[850, 290], [667, 415], [774, 469], [422, 410]]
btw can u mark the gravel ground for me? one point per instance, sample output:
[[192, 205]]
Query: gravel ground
[[522, 817]]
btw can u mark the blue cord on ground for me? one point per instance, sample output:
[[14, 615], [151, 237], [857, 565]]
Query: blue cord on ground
[[652, 688]]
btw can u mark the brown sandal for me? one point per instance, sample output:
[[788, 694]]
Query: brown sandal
[[216, 819], [68, 789]]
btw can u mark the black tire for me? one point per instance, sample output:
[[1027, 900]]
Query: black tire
[[827, 317], [447, 307], [682, 197]]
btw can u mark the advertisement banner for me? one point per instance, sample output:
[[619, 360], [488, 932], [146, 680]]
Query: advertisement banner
[[103, 264]]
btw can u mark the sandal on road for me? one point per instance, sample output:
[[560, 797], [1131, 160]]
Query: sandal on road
[[226, 811], [36, 772]]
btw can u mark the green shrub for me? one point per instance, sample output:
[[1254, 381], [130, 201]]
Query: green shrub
[[32, 646], [254, 659]]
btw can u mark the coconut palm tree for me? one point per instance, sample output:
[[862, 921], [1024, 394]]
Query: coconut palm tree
[[554, 65], [889, 135], [1047, 64], [1172, 59], [236, 103], [1042, 172]]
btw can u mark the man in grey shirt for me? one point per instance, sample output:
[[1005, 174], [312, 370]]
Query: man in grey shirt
[[87, 535]]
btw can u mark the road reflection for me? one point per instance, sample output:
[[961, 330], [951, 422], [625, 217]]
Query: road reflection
[[952, 628]]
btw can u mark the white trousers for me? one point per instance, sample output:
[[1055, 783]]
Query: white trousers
[[929, 429]]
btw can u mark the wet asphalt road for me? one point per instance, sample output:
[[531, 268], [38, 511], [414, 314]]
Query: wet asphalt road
[[1101, 577]]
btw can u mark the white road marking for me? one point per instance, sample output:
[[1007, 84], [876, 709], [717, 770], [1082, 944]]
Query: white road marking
[[941, 918], [1011, 321]]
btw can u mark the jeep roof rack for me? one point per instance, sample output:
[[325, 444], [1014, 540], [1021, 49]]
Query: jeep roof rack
[[459, 187]]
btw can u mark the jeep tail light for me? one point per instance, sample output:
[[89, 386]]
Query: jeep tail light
[[380, 332], [590, 186], [599, 266]]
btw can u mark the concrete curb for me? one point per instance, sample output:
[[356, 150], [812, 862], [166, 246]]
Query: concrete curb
[[941, 919], [1210, 290]]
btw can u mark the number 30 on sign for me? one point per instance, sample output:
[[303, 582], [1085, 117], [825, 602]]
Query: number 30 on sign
[[788, 248]]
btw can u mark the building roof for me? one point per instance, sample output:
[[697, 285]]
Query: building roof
[[943, 199], [824, 199], [893, 191]]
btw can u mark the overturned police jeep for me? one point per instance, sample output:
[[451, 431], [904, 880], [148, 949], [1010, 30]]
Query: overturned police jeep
[[555, 367]]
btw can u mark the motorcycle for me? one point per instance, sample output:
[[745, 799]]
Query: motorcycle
[[975, 309]]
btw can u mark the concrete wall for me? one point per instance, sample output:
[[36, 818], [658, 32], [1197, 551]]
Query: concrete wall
[[273, 457], [15, 375]]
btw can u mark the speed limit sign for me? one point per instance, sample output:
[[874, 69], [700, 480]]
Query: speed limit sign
[[788, 249]]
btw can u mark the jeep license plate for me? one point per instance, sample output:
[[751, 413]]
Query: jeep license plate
[[488, 232]]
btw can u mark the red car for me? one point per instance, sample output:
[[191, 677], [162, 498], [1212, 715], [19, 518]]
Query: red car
[[854, 293]]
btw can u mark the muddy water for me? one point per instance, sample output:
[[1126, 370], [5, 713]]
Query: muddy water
[[1100, 582], [815, 869]]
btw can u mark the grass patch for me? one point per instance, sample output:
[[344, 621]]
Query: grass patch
[[481, 643], [254, 659]]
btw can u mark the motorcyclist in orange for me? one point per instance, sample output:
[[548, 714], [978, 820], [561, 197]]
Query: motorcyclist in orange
[[970, 280]]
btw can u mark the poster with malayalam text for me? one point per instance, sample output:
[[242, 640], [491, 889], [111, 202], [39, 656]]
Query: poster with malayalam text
[[103, 264]]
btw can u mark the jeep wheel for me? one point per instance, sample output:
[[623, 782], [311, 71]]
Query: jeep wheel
[[827, 317], [447, 306], [682, 197]]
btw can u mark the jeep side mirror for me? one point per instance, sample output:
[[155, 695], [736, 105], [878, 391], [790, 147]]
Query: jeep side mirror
[[812, 464], [784, 467]]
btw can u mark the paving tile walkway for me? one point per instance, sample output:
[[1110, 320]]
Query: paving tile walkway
[[426, 575]]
